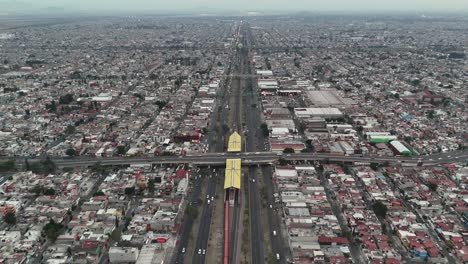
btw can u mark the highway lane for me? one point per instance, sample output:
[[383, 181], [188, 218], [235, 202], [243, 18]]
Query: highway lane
[[256, 137], [201, 244], [256, 229], [180, 254]]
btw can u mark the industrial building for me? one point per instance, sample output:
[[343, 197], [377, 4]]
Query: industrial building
[[398, 147], [328, 98], [328, 112]]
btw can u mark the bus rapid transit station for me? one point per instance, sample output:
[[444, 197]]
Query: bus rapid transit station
[[235, 142], [232, 185], [232, 180]]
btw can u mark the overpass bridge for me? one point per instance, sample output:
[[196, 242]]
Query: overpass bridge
[[255, 158]]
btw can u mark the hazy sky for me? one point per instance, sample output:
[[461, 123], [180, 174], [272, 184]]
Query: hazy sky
[[243, 5]]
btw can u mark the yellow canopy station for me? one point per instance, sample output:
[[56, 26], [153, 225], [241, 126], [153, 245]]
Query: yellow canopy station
[[232, 175], [235, 143]]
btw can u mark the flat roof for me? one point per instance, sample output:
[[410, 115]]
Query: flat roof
[[235, 142], [232, 174]]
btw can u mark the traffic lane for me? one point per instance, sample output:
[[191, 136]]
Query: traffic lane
[[255, 226], [187, 225], [277, 243], [203, 234]]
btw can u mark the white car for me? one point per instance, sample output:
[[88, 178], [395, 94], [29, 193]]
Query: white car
[[199, 251], [253, 180], [212, 198], [204, 252], [183, 250]]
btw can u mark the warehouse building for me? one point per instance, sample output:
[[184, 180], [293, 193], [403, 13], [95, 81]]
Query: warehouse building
[[328, 112], [329, 98], [399, 148]]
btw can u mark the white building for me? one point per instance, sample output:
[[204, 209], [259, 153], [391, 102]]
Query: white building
[[123, 254]]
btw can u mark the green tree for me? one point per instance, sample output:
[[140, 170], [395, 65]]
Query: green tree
[[37, 190], [432, 186], [265, 131], [374, 166], [52, 230], [70, 129], [66, 99], [225, 128], [430, 114], [282, 162], [130, 190], [116, 235], [99, 193], [121, 150], [151, 185], [49, 191], [70, 152], [380, 209], [98, 168], [52, 107], [45, 166], [288, 150], [8, 165], [10, 218], [161, 104]]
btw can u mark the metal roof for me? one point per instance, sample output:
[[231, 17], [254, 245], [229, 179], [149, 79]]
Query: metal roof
[[235, 142], [232, 174]]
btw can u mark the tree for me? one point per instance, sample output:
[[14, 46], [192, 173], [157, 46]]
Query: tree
[[52, 230], [432, 186], [70, 129], [161, 104], [37, 190], [288, 150], [45, 166], [121, 150], [380, 209], [70, 152], [265, 131], [116, 235], [282, 162], [374, 166], [151, 185], [66, 99], [99, 193], [359, 129], [52, 107], [129, 190], [7, 165], [225, 128], [430, 114], [49, 191], [10, 218]]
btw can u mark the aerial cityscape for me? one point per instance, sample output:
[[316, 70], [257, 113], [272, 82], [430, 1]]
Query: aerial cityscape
[[301, 137]]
